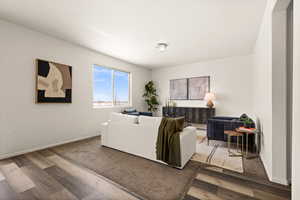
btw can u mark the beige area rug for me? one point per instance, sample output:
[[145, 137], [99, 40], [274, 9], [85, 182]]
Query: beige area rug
[[216, 154]]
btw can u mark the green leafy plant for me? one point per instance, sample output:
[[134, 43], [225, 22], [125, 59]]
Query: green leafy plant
[[246, 120], [150, 96]]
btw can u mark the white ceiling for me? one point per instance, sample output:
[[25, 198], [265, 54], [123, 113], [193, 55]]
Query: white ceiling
[[196, 30]]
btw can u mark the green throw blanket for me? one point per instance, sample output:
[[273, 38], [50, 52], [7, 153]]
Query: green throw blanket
[[168, 141]]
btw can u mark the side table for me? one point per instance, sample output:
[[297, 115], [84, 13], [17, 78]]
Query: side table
[[249, 131], [234, 134]]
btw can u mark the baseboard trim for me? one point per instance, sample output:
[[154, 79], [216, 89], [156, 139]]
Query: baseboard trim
[[265, 168], [280, 181], [9, 155], [271, 178], [289, 181]]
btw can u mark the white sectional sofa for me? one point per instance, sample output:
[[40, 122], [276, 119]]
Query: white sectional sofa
[[137, 135]]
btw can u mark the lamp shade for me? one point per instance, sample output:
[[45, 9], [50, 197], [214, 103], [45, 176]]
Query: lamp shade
[[210, 96]]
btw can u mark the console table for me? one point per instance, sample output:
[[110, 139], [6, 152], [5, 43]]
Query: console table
[[197, 115]]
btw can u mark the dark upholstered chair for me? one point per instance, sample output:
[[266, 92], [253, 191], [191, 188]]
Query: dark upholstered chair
[[217, 125]]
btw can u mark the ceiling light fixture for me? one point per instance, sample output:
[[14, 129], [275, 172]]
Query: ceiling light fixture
[[162, 46]]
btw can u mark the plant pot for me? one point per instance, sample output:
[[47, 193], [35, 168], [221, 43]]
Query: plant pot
[[247, 125]]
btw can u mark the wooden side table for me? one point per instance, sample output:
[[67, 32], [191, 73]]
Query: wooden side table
[[237, 135], [248, 132]]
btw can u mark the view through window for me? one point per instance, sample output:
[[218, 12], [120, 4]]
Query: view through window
[[111, 87]]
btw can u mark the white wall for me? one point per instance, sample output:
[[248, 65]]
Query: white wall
[[270, 89], [262, 96], [230, 78], [279, 96], [25, 125], [296, 105]]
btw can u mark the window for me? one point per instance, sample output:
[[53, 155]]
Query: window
[[111, 87]]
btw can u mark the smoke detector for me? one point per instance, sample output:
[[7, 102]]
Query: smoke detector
[[162, 46]]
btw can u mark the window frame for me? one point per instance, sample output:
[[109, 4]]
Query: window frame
[[113, 103]]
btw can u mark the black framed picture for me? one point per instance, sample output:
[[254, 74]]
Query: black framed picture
[[53, 82]]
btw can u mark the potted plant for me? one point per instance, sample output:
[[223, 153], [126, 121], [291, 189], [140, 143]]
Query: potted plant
[[150, 96], [247, 121]]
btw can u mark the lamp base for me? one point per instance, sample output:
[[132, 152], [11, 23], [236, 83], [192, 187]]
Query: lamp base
[[210, 104]]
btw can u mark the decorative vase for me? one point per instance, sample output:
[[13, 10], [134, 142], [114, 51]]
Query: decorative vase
[[210, 104]]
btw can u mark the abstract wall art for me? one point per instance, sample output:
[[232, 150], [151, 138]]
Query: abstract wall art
[[178, 89], [198, 87], [53, 82], [189, 88]]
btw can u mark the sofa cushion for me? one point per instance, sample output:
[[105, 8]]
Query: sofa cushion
[[133, 113], [146, 120], [118, 117], [129, 110], [146, 114]]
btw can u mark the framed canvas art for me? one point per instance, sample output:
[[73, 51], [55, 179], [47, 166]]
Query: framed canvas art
[[53, 82], [198, 87], [179, 89]]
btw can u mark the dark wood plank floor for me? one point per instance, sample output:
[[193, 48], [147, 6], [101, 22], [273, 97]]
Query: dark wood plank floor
[[45, 175], [212, 183]]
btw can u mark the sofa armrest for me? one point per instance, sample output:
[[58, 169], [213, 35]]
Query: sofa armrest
[[188, 139], [104, 133], [223, 118], [188, 130], [232, 125], [220, 120]]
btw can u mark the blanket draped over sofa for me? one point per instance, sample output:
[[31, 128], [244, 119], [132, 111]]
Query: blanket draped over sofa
[[168, 141]]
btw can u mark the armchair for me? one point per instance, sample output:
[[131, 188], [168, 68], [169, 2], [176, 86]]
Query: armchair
[[217, 125]]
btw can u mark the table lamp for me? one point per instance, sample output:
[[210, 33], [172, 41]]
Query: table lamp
[[209, 97]]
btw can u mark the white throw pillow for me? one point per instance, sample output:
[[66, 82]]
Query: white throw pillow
[[146, 120], [119, 117]]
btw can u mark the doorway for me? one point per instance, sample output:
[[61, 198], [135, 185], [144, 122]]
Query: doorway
[[289, 56], [282, 90]]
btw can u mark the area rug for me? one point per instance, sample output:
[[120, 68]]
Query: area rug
[[148, 179], [216, 154]]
